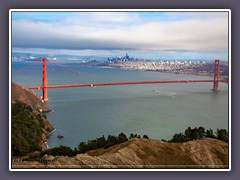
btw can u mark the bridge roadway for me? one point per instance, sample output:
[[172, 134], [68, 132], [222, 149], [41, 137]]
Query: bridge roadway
[[122, 83]]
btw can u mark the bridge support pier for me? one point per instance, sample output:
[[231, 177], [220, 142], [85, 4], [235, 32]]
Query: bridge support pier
[[44, 85], [216, 76]]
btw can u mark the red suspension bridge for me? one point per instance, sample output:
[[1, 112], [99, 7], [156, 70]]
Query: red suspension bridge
[[44, 87]]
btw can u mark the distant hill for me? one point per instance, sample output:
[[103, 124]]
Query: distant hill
[[209, 67], [143, 153]]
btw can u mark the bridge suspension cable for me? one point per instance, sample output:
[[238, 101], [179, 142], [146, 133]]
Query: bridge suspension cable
[[74, 70], [45, 87], [58, 64], [27, 67]]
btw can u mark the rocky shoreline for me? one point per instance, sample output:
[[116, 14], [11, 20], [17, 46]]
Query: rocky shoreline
[[30, 98]]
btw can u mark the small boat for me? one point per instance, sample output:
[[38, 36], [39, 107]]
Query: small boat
[[47, 111], [60, 136]]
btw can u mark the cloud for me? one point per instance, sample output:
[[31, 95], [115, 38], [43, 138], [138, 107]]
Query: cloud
[[117, 30], [113, 17]]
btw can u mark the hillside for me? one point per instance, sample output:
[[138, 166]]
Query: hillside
[[29, 127], [142, 153], [32, 99]]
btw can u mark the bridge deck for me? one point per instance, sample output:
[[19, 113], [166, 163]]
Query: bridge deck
[[122, 83]]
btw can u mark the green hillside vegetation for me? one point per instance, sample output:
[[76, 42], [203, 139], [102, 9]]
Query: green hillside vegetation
[[199, 133], [59, 151], [102, 142], [97, 143], [26, 129]]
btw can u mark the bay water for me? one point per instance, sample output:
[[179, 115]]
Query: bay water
[[159, 110]]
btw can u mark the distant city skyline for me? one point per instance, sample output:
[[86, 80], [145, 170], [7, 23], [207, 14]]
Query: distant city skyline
[[104, 54], [148, 35]]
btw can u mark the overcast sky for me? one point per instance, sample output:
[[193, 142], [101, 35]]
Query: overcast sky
[[201, 32]]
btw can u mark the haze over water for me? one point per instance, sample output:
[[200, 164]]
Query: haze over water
[[159, 111]]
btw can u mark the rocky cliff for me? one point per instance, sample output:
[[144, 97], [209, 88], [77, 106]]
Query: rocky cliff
[[32, 99], [29, 97]]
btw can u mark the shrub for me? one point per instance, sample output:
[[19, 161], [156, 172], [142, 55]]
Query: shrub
[[26, 132], [199, 133], [145, 136], [222, 135], [59, 151]]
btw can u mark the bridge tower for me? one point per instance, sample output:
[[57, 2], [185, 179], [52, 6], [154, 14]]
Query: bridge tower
[[216, 75], [44, 85]]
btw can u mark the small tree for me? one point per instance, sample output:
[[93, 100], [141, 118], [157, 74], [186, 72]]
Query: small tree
[[145, 136], [188, 134], [111, 140], [82, 147], [222, 135], [209, 133], [179, 138], [101, 142], [75, 151], [122, 138], [196, 133], [134, 136], [131, 136], [59, 151], [201, 132]]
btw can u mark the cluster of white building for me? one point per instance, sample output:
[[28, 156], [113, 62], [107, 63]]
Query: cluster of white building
[[157, 65]]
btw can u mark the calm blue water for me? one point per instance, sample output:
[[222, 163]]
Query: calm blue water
[[159, 111]]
